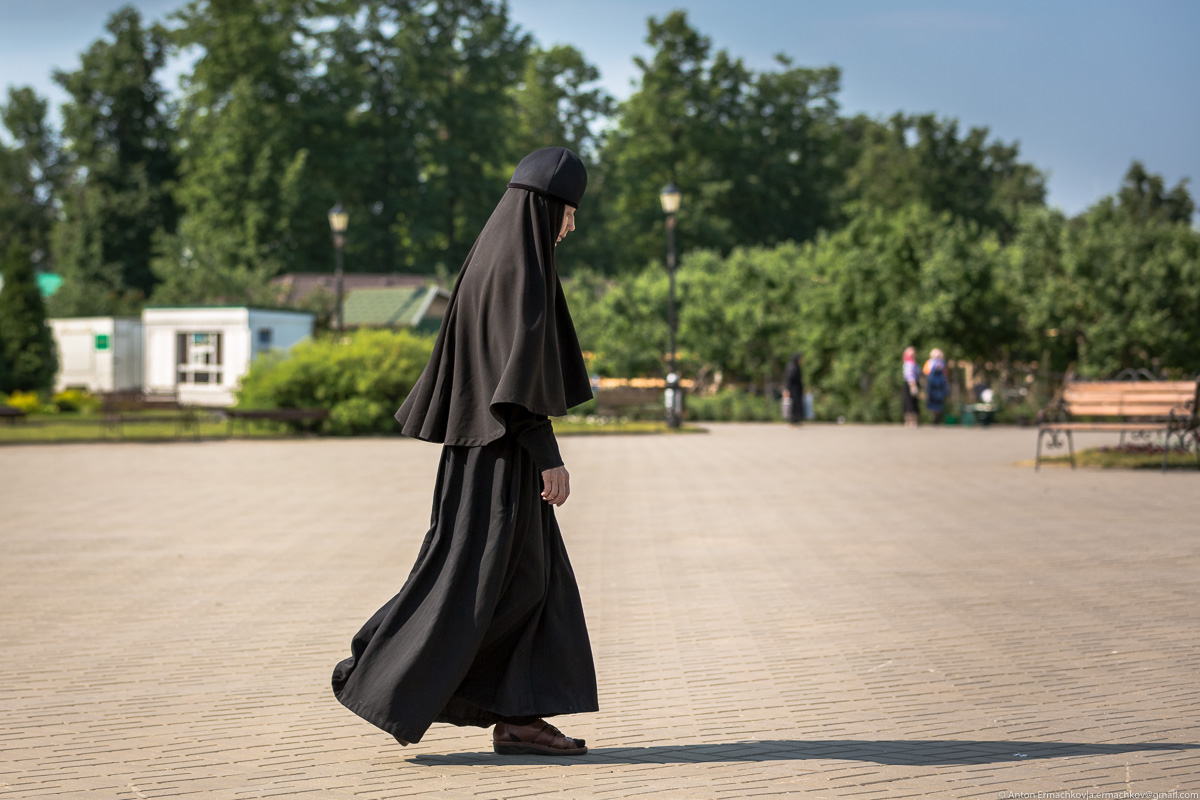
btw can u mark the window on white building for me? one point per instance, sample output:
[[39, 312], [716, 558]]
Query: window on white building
[[265, 335], [198, 357]]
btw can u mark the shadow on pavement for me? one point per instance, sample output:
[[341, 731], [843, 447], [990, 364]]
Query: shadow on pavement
[[893, 751]]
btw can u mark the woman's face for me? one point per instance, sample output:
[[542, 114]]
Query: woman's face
[[568, 224]]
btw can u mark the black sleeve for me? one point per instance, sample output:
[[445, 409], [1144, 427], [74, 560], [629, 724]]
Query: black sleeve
[[535, 433]]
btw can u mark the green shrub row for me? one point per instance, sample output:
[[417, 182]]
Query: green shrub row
[[732, 405]]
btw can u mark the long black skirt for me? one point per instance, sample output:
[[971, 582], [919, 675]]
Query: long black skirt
[[489, 624], [910, 401]]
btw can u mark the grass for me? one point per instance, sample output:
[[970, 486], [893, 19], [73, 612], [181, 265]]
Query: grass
[[1121, 458], [75, 427], [589, 426]]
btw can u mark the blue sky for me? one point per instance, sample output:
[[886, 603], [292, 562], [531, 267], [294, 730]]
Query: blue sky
[[1084, 87]]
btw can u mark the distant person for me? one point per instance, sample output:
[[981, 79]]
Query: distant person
[[793, 389], [984, 409], [981, 386], [937, 387], [488, 629], [912, 388]]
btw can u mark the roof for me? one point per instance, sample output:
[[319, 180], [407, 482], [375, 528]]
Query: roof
[[301, 284], [388, 308], [221, 306]]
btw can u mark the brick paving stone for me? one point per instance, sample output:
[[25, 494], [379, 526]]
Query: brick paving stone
[[834, 611]]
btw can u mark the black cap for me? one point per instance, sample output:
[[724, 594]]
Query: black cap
[[553, 171]]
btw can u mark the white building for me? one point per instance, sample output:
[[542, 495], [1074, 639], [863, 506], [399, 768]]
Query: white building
[[101, 354], [202, 353]]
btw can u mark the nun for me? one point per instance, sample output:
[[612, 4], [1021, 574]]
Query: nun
[[488, 629], [793, 389]]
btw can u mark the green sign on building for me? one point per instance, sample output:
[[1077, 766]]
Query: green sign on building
[[101, 341]]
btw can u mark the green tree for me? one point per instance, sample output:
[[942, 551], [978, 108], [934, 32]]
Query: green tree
[[1143, 257], [427, 125], [28, 356], [1144, 196], [30, 174], [464, 65], [373, 121], [757, 155], [118, 134], [792, 158], [621, 322], [921, 159], [670, 130], [558, 103], [851, 301], [741, 315], [245, 128], [1118, 287]]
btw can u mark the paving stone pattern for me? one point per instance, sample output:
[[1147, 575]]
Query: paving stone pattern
[[830, 611]]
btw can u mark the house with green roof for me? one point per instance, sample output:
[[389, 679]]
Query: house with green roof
[[418, 307]]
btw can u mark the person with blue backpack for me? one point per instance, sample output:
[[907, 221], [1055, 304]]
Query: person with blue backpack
[[937, 387]]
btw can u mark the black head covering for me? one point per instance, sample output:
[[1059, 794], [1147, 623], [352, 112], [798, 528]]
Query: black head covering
[[554, 172], [507, 336]]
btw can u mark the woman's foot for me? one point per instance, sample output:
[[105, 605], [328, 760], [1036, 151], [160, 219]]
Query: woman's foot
[[538, 738]]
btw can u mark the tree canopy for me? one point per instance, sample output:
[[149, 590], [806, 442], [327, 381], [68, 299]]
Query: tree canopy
[[28, 356], [118, 153], [802, 227]]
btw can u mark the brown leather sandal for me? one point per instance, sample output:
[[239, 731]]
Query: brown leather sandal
[[539, 738]]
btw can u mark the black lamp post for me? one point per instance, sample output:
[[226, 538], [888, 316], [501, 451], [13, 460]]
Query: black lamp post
[[670, 197], [338, 220]]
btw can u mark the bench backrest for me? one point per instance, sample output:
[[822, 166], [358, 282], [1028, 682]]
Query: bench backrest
[[112, 402], [1155, 399], [281, 414], [628, 395]]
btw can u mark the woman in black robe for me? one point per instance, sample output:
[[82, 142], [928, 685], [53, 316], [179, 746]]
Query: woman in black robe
[[489, 629], [793, 388]]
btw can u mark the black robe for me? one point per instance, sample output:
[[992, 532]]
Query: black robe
[[793, 381], [489, 624]]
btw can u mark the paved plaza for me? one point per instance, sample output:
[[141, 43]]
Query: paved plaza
[[834, 611]]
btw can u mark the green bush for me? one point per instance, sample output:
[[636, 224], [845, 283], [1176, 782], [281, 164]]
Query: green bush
[[76, 400], [362, 378], [360, 415], [29, 402], [1023, 413], [732, 405]]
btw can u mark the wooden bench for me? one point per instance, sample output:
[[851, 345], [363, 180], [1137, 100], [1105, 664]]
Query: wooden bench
[[121, 408], [117, 402], [11, 414], [273, 414], [1140, 407], [625, 400]]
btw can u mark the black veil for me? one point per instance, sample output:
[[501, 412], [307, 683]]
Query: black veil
[[507, 335]]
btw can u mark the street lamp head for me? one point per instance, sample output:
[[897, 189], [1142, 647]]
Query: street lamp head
[[338, 219], [670, 197]]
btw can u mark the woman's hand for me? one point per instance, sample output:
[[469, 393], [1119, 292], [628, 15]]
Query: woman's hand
[[556, 485]]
